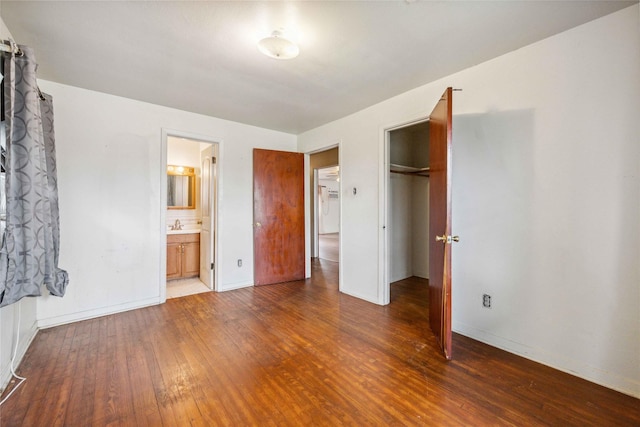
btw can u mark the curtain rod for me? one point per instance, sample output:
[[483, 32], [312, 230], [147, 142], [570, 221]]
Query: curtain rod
[[11, 47]]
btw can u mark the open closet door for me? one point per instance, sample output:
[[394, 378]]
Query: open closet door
[[440, 221]]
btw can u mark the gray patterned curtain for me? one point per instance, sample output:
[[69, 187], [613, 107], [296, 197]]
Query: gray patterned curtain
[[31, 239]]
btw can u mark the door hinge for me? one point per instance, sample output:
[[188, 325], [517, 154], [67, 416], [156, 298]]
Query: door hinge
[[213, 160], [212, 266], [447, 239]]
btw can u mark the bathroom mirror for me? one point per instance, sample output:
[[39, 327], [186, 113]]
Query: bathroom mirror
[[181, 187]]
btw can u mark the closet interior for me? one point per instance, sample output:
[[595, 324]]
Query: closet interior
[[409, 202]]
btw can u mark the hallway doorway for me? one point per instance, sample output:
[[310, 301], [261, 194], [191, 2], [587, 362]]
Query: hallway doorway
[[324, 205], [327, 229]]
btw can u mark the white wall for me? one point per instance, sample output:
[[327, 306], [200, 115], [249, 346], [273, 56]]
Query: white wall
[[22, 314], [546, 198], [109, 175], [183, 152]]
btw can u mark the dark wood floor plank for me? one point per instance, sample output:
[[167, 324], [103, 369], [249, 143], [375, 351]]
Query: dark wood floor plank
[[81, 396], [56, 373], [145, 404], [103, 374], [297, 353]]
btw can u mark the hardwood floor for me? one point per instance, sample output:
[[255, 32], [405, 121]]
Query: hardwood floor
[[329, 248], [298, 353]]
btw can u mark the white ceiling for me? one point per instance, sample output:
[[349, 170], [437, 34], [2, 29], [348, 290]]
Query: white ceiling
[[201, 56]]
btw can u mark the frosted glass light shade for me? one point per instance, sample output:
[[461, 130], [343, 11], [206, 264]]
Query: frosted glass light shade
[[276, 46]]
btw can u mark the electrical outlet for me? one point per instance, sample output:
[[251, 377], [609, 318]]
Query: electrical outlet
[[239, 263], [486, 300]]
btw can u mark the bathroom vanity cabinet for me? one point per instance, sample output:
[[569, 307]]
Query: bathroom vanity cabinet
[[183, 256]]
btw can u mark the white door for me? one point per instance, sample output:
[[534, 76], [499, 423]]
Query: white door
[[207, 232]]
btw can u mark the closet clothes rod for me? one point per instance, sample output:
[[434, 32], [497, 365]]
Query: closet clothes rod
[[408, 170], [418, 173]]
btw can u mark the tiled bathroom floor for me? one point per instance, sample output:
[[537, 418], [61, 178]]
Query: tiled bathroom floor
[[181, 288]]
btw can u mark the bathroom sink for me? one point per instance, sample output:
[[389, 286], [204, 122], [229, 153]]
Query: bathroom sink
[[184, 231]]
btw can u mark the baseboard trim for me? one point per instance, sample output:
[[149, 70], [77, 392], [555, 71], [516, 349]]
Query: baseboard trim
[[25, 343], [234, 286], [561, 363], [50, 322], [362, 297]]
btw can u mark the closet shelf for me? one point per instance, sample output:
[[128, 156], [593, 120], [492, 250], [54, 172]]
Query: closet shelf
[[408, 170]]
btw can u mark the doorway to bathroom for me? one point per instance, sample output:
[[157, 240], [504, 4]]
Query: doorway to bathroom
[[191, 215]]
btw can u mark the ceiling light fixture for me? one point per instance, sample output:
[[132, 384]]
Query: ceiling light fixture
[[276, 46]]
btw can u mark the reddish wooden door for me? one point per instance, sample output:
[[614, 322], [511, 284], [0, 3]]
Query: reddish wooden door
[[278, 216], [440, 221]]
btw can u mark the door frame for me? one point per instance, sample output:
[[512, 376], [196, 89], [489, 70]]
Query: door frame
[[308, 213], [162, 231], [384, 255], [315, 249]]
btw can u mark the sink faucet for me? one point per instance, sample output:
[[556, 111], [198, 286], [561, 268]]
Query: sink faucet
[[177, 225]]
